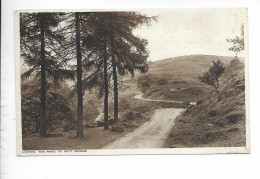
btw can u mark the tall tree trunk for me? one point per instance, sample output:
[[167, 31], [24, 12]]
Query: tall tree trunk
[[114, 76], [79, 79], [115, 92], [43, 78], [106, 126]]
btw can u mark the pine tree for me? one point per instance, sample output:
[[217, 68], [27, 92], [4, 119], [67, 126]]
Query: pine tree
[[97, 44], [79, 78], [128, 52], [211, 77], [75, 30]]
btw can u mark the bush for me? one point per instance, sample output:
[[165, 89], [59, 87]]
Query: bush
[[144, 81], [220, 122], [241, 87], [129, 125], [132, 116], [144, 89], [117, 129], [234, 117], [69, 126], [212, 113], [129, 115], [162, 81], [198, 102], [100, 123]]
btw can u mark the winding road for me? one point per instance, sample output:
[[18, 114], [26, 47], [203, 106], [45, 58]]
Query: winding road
[[151, 134], [139, 96]]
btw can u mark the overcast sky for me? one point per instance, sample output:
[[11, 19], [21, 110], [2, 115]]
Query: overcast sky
[[191, 31]]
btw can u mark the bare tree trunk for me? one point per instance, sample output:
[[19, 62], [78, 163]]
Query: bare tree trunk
[[106, 126], [79, 79], [114, 77], [43, 78]]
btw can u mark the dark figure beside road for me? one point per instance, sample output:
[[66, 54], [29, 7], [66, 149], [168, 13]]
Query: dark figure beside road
[[185, 104]]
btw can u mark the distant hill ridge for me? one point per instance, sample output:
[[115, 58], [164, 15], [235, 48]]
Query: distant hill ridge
[[186, 67]]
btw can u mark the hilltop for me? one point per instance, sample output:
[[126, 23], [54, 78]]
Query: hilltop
[[185, 67]]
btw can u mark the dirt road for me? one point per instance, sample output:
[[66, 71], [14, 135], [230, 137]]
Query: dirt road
[[139, 96], [151, 134]]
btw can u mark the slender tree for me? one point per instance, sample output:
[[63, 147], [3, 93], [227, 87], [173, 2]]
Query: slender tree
[[42, 19], [211, 77], [128, 52], [79, 78], [106, 126], [115, 78], [97, 43], [75, 30]]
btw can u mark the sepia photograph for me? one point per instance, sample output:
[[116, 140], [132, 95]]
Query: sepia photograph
[[141, 81]]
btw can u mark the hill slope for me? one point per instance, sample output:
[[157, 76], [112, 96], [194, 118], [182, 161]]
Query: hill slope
[[181, 74], [218, 120], [185, 67]]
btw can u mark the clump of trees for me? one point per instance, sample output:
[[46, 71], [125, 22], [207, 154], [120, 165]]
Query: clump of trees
[[93, 48], [58, 110], [144, 83], [211, 77]]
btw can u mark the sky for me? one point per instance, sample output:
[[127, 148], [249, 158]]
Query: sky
[[180, 32]]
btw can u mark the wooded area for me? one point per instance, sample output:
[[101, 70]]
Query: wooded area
[[86, 49]]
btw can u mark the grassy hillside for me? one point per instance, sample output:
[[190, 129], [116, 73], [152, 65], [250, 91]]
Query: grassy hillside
[[185, 67], [218, 120], [181, 76], [176, 90]]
